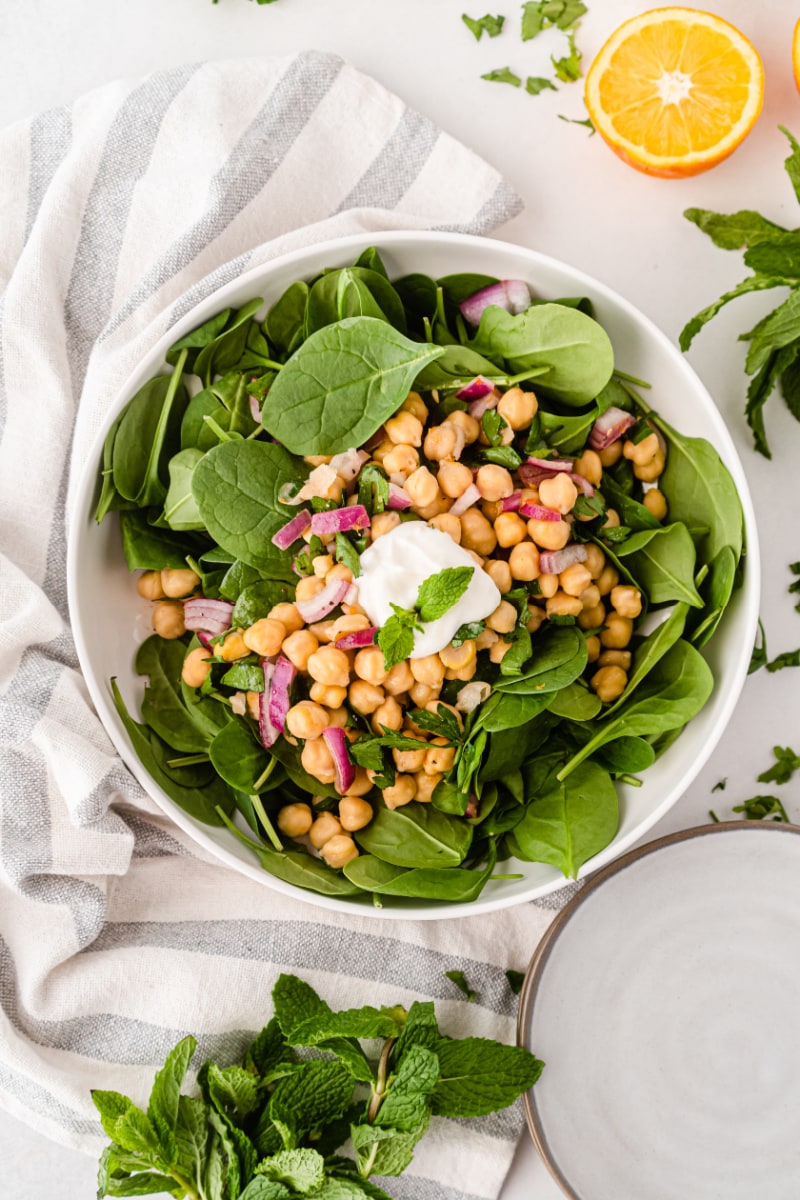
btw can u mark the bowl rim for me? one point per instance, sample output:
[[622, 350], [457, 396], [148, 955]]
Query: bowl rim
[[547, 943], [308, 254]]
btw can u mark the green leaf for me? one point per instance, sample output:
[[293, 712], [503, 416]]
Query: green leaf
[[454, 884], [237, 757], [535, 84], [761, 808], [753, 283], [162, 1107], [480, 25], [663, 561], [396, 640], [784, 767], [651, 650], [790, 387], [734, 231], [779, 328], [284, 321], [416, 835], [147, 548], [515, 981], [143, 1183], [368, 369], [568, 825], [779, 255], [233, 1091], [503, 75], [701, 492], [382, 1150], [163, 708], [792, 163], [438, 593], [146, 438], [180, 507], [479, 1076], [347, 554], [260, 1188], [460, 980], [314, 1094], [268, 1050], [256, 600], [789, 658], [760, 655], [192, 1138], [568, 68], [406, 1106], [302, 1170]]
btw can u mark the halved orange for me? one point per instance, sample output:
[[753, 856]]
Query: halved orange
[[796, 54], [675, 90]]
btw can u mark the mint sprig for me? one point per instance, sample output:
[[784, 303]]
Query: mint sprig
[[435, 597]]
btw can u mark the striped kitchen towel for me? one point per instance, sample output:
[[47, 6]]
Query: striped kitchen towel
[[118, 935]]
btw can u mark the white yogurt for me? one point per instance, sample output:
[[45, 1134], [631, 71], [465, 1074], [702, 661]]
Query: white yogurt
[[393, 568]]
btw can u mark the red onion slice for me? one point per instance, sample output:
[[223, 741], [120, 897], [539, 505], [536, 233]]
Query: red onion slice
[[609, 427], [351, 595], [292, 530], [212, 616], [582, 483], [255, 409], [339, 520], [266, 730], [552, 465], [348, 463], [357, 640], [476, 389], [279, 703], [553, 562], [513, 295], [318, 607], [398, 497], [478, 407], [336, 742], [468, 497], [511, 503], [537, 512]]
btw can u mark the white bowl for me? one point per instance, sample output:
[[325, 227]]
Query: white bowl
[[99, 583]]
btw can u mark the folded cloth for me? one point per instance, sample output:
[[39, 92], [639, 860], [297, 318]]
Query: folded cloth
[[118, 934]]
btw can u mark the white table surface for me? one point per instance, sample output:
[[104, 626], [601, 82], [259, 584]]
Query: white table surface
[[582, 205]]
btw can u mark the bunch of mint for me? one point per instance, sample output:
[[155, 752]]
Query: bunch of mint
[[270, 1128]]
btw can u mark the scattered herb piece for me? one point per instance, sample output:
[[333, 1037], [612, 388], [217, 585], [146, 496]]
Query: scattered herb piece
[[784, 767], [586, 122], [720, 785], [794, 588], [760, 655], [789, 658], [762, 808], [466, 633], [503, 75], [480, 25], [539, 14], [515, 981], [713, 816], [535, 84], [460, 980], [568, 68]]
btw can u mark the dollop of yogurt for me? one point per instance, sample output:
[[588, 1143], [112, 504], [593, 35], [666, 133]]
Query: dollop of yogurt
[[393, 568]]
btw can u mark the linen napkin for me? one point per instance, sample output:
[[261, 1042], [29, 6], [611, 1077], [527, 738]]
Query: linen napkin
[[118, 935]]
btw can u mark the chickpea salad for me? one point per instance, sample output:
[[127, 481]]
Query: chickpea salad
[[429, 578]]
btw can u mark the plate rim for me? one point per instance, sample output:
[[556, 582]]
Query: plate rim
[[545, 946]]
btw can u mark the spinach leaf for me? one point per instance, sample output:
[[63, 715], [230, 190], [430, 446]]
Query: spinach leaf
[[180, 508], [147, 436], [256, 601], [504, 711], [224, 351], [353, 292], [454, 884], [663, 560], [285, 320], [237, 757], [559, 657], [298, 868], [416, 835], [631, 512], [568, 825], [717, 592], [626, 756], [575, 703], [162, 707], [368, 369], [418, 296], [651, 650], [147, 548], [194, 341]]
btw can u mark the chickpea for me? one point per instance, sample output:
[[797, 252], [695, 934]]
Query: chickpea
[[562, 605], [388, 715], [494, 483], [503, 619], [317, 460], [454, 478], [369, 666], [590, 467], [548, 585], [288, 616], [338, 716], [464, 673], [421, 694], [592, 618], [404, 429], [196, 667], [298, 648], [498, 651], [361, 784], [324, 827], [439, 758], [523, 562], [510, 529], [436, 508], [295, 819], [535, 620], [656, 503], [607, 580], [617, 633], [307, 720], [609, 683], [477, 533], [518, 408], [365, 697], [550, 535], [380, 452], [351, 623], [399, 679], [354, 813], [456, 657], [322, 564], [178, 583], [612, 519], [649, 472], [529, 495], [500, 573], [329, 666], [402, 791], [446, 523], [168, 620], [559, 493], [383, 523], [422, 487], [339, 851], [428, 670], [322, 630], [402, 460], [234, 646], [149, 586], [590, 596], [443, 441], [575, 579], [491, 509], [410, 761], [476, 558], [466, 423], [265, 637], [595, 559], [641, 452], [626, 600], [426, 786], [317, 760], [414, 404], [615, 658], [486, 639], [308, 587], [339, 571], [611, 455], [254, 704], [593, 648]]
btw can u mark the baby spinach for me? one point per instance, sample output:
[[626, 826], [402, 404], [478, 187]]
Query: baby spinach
[[631, 512], [194, 341], [284, 323], [663, 561], [569, 824], [717, 592], [237, 487], [416, 835], [368, 369], [224, 351], [418, 295], [505, 711], [256, 600], [353, 292], [558, 658], [163, 708], [147, 436], [626, 755], [454, 884], [575, 703], [651, 650], [237, 756], [298, 868], [180, 507], [457, 365], [147, 548]]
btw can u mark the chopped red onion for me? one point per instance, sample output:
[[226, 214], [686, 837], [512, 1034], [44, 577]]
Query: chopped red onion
[[553, 562], [339, 520], [279, 703], [473, 807], [357, 640], [266, 730], [398, 497], [582, 483], [348, 463], [204, 638], [317, 484], [511, 503], [255, 409], [317, 607], [212, 616], [534, 470], [513, 295], [478, 407], [476, 389], [292, 530], [609, 427], [468, 497], [537, 512], [351, 595], [336, 741]]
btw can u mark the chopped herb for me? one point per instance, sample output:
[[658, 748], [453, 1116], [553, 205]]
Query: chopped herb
[[762, 808], [503, 75], [535, 84], [614, 533], [586, 122], [789, 658], [493, 425], [304, 561], [347, 554], [568, 68], [539, 14], [720, 785], [784, 767], [759, 657], [373, 489], [480, 25], [713, 816], [794, 588], [460, 980], [515, 981], [443, 722], [590, 506], [466, 633]]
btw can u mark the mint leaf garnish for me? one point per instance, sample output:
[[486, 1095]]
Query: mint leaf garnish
[[503, 75], [438, 594], [460, 980], [480, 25]]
